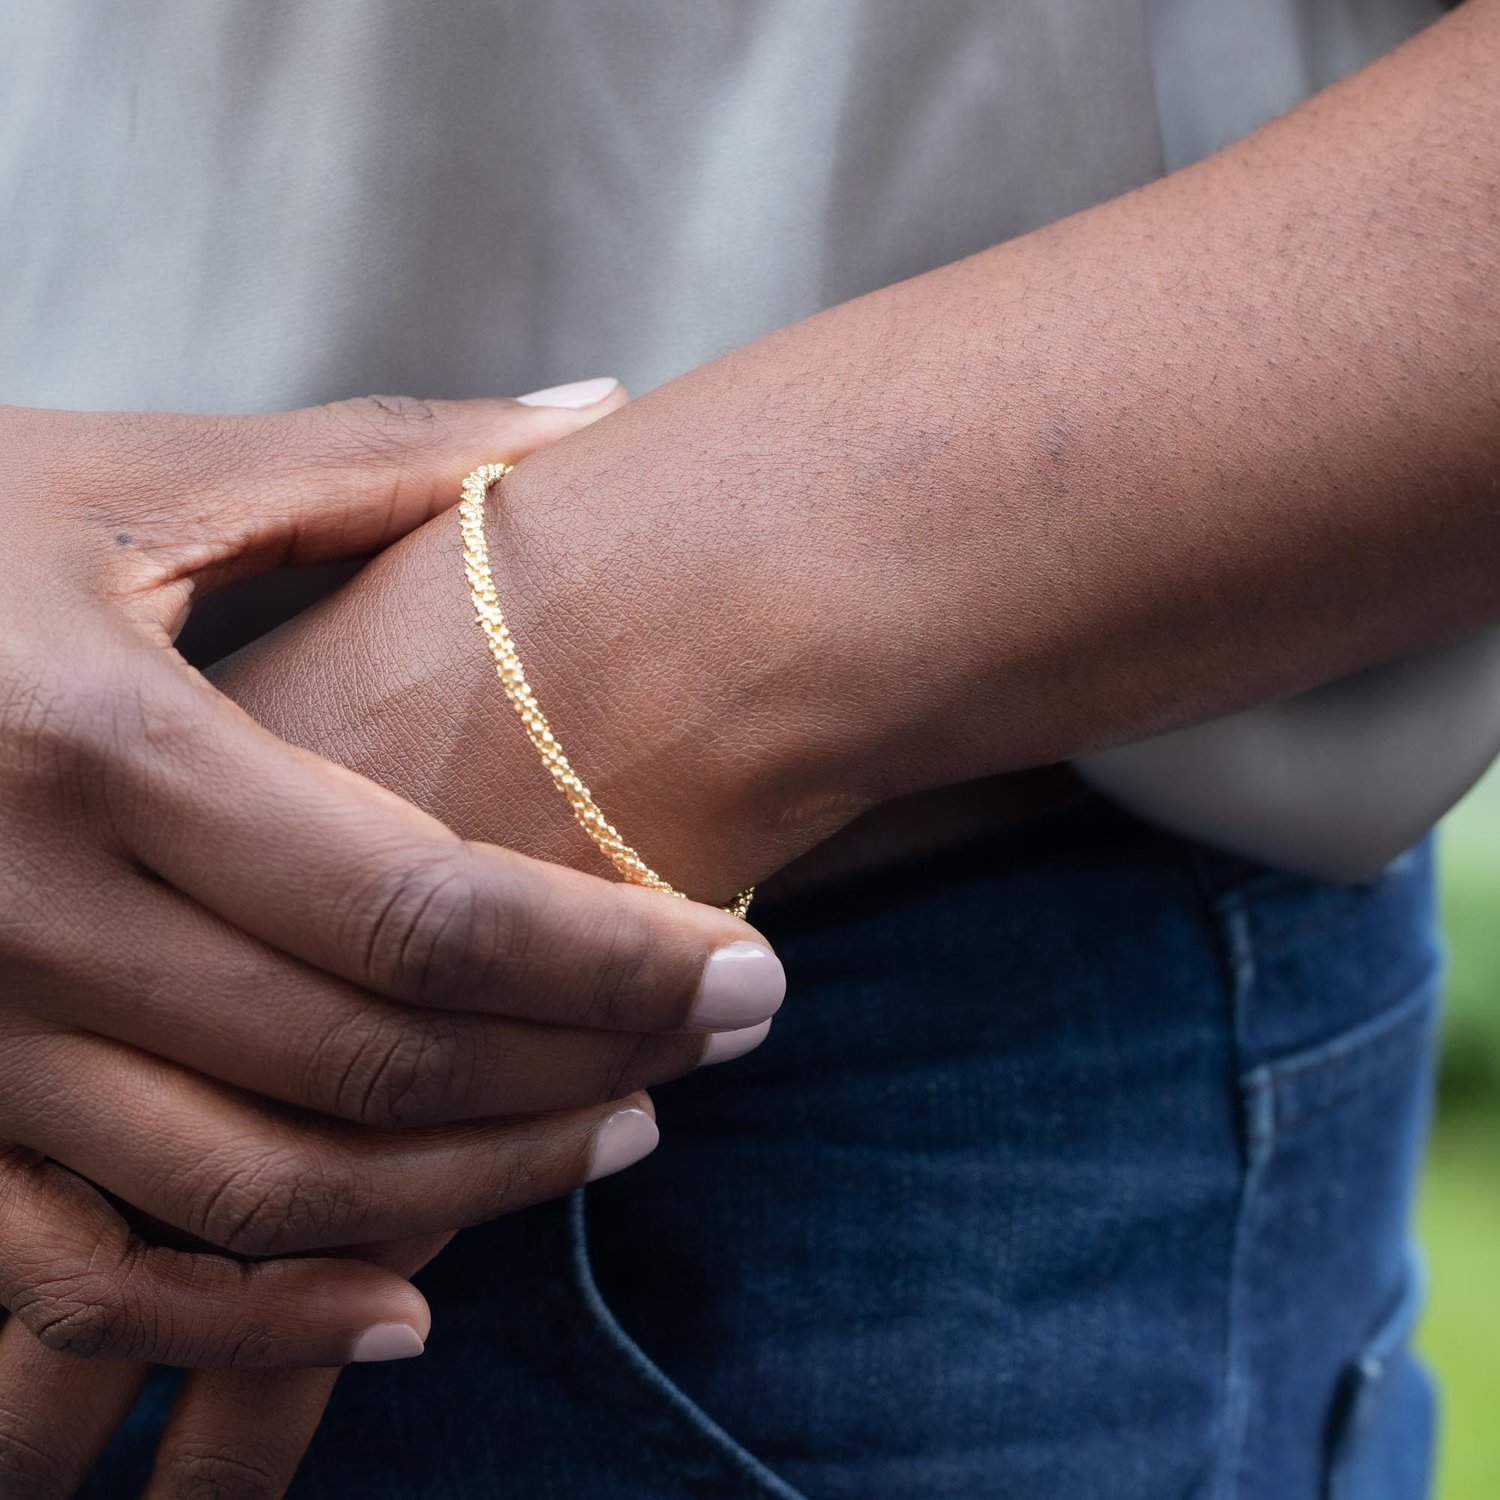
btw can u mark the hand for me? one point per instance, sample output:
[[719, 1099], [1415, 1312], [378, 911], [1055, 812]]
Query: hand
[[984, 519], [233, 1433], [264, 1001]]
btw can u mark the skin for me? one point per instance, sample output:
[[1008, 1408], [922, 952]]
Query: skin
[[984, 519], [1228, 437], [419, 1031]]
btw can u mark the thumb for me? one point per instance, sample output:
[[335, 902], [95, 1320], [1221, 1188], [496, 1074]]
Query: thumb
[[348, 479]]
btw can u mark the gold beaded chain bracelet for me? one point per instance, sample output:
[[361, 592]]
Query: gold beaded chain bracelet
[[513, 679]]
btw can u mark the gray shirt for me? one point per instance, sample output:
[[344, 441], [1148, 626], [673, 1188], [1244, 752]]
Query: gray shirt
[[242, 204]]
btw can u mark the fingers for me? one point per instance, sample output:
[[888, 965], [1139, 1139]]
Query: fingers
[[257, 1180], [56, 1414], [238, 1434], [325, 865], [213, 499], [355, 475], [237, 1011], [232, 1434], [74, 1276]]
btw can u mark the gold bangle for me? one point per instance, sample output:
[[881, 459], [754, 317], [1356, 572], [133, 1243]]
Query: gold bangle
[[513, 679]]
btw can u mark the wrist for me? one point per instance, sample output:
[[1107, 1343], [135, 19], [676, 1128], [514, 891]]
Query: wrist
[[681, 702], [392, 677]]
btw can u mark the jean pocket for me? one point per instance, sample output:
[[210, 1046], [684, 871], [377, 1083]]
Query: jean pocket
[[681, 1452], [1380, 1432], [1322, 1397], [1312, 961]]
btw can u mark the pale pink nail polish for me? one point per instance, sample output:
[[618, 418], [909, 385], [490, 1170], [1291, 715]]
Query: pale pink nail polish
[[575, 395], [386, 1341], [623, 1139], [743, 984], [725, 1046]]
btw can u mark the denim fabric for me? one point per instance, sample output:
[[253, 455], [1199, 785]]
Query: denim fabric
[[1078, 1164]]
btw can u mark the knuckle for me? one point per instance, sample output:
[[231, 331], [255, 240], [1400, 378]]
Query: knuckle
[[145, 724], [28, 1470], [369, 442], [623, 952], [279, 1203], [246, 1345], [526, 1178], [629, 1066], [392, 1074], [83, 1315], [89, 740], [194, 1469], [431, 935], [374, 425]]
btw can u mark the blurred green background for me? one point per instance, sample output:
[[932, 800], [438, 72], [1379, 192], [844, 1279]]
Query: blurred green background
[[1460, 1209]]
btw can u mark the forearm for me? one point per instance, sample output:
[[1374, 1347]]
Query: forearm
[[1224, 438]]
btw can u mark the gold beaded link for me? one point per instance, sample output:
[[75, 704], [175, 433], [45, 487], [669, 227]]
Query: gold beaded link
[[508, 668]]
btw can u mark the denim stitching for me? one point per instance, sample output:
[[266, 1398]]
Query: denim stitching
[[1362, 1055], [1390, 1340], [768, 1484], [1258, 1103], [1269, 1103], [1336, 903]]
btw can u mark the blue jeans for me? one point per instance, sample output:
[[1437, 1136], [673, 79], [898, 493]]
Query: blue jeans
[[1078, 1164]]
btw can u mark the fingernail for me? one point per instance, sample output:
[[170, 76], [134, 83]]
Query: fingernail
[[743, 984], [387, 1341], [725, 1046], [623, 1139], [575, 395]]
